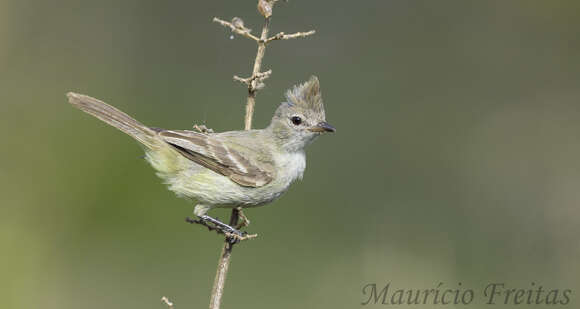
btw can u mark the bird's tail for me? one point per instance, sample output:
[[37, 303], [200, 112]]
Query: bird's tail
[[115, 118]]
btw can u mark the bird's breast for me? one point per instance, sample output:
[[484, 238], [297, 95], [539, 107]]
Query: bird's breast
[[290, 167]]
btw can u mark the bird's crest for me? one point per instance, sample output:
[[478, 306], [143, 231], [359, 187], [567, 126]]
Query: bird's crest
[[306, 96]]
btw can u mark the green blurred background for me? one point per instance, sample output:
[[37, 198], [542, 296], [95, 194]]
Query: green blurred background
[[456, 157]]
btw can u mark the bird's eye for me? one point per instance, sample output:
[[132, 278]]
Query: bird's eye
[[296, 120]]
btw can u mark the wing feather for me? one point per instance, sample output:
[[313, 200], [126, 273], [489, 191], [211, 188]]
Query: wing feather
[[210, 151]]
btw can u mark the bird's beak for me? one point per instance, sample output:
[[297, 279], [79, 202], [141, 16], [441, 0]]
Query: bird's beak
[[322, 127]]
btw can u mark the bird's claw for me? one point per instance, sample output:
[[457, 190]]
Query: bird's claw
[[233, 235]]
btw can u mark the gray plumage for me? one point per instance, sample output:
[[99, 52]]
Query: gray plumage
[[228, 169]]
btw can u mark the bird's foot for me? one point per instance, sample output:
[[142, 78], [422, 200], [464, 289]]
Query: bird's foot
[[232, 235], [221, 227]]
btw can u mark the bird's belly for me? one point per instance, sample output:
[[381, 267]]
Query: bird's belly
[[208, 187], [190, 180]]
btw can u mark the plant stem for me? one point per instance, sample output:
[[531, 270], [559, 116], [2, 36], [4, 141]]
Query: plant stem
[[225, 256], [223, 266], [251, 102]]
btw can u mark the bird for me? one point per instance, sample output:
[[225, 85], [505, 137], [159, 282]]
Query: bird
[[231, 169]]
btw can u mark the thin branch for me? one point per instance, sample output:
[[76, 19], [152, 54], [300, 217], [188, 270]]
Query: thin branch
[[223, 265], [245, 221], [252, 89], [239, 238], [224, 261], [237, 27], [254, 83], [260, 77], [283, 36]]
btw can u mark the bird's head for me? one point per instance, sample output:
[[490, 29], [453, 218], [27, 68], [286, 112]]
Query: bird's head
[[300, 119]]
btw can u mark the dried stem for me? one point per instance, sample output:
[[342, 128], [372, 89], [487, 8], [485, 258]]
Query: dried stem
[[259, 77], [223, 265], [283, 36], [254, 83], [239, 29], [224, 261], [251, 102]]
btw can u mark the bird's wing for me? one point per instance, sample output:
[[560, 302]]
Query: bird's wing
[[222, 155]]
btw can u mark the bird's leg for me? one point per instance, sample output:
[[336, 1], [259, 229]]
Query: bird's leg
[[244, 220], [226, 229], [204, 223], [233, 235]]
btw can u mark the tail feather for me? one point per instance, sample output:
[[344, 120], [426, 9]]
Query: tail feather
[[115, 118]]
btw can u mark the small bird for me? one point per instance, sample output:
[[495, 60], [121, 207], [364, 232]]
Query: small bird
[[228, 169]]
